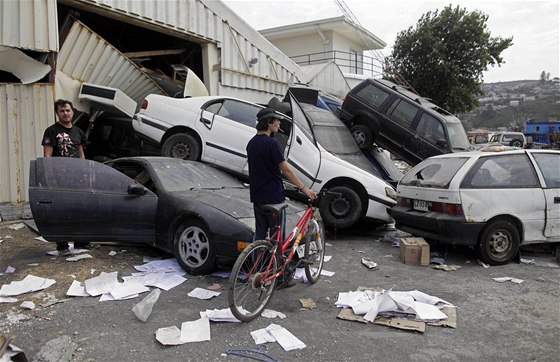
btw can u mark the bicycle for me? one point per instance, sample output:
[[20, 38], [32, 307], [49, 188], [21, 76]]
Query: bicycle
[[256, 270]]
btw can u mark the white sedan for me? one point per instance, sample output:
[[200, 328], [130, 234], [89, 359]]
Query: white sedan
[[217, 129], [492, 201]]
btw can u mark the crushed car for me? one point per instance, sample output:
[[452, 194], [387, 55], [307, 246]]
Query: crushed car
[[217, 129], [493, 202], [198, 213]]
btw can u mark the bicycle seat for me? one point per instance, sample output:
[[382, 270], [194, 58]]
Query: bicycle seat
[[276, 208]]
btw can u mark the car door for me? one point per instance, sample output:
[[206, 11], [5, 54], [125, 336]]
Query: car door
[[548, 165], [227, 125], [302, 152], [429, 138], [75, 199], [401, 115]]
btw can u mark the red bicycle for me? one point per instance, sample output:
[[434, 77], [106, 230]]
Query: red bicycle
[[261, 263]]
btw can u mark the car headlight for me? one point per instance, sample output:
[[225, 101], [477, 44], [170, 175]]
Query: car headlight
[[390, 192]]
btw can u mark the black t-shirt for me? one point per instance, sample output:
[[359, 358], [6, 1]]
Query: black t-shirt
[[265, 179], [64, 141]]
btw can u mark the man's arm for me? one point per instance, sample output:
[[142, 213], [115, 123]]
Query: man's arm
[[290, 175], [47, 151], [81, 150]]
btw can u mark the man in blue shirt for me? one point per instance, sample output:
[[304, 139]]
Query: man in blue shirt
[[266, 168]]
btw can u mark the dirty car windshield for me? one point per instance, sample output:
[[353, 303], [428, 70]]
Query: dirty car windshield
[[179, 175], [434, 173]]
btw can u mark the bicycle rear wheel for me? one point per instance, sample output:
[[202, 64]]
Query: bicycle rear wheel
[[314, 250], [248, 295]]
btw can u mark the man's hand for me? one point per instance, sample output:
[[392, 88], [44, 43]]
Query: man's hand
[[309, 193]]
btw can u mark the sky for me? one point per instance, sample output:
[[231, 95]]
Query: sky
[[534, 25]]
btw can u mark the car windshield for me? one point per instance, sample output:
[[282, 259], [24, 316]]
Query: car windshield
[[457, 136], [337, 140], [434, 172], [180, 175]]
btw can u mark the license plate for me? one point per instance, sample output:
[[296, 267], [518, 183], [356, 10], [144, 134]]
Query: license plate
[[420, 205]]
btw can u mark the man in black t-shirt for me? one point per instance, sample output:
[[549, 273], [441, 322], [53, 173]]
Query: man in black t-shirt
[[62, 139], [266, 168]]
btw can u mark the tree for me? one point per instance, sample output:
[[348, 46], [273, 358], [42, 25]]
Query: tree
[[444, 57]]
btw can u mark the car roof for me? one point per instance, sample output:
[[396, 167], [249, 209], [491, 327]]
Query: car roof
[[497, 150]]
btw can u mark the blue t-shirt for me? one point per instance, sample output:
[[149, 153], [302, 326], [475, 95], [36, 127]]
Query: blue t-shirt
[[265, 179]]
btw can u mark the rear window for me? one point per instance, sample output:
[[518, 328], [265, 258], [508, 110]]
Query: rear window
[[434, 173], [503, 171]]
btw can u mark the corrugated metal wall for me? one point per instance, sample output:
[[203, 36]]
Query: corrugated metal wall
[[211, 20], [86, 57], [25, 112], [29, 24]]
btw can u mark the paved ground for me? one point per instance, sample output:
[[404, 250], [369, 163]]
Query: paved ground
[[496, 321]]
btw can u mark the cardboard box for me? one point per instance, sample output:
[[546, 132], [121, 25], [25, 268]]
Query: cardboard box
[[415, 251]]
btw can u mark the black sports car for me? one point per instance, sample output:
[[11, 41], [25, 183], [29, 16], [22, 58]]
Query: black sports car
[[200, 214]]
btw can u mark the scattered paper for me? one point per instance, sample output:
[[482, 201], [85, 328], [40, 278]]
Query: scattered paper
[[202, 293], [10, 269], [271, 314], [77, 289], [261, 336], [220, 315], [29, 284], [112, 253], [169, 336], [40, 238], [370, 263], [8, 300], [79, 257], [127, 289], [284, 338], [101, 284], [327, 258], [446, 267], [484, 265], [196, 331], [27, 305], [166, 265], [17, 226], [508, 279]]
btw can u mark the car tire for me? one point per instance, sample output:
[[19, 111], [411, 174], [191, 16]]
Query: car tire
[[341, 211], [516, 143], [362, 135], [194, 248], [498, 243], [182, 145]]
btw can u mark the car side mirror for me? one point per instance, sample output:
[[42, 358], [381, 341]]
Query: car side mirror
[[136, 189]]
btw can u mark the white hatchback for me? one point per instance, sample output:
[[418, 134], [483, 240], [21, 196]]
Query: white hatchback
[[217, 129], [492, 201]]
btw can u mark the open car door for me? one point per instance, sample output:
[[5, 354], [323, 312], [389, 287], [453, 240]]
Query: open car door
[[81, 200], [302, 152]]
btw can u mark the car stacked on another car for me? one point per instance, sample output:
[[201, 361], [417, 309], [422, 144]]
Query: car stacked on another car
[[405, 124], [217, 129], [491, 201]]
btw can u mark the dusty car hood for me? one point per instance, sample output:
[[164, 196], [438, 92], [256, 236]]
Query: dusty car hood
[[232, 201]]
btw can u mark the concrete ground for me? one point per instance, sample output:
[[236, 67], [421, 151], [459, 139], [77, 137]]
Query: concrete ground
[[495, 321]]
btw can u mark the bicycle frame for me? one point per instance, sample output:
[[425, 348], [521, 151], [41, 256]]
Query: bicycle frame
[[297, 234]]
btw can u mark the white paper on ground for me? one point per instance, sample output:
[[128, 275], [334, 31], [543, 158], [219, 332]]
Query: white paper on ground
[[79, 257], [202, 293], [327, 258], [269, 313], [507, 279], [195, 331], [154, 266], [143, 309], [286, 339], [428, 299], [77, 289], [107, 297], [10, 269], [428, 312], [126, 289], [261, 336], [220, 315], [29, 284], [169, 336], [169, 280], [27, 305], [8, 300], [40, 238], [17, 226], [101, 284]]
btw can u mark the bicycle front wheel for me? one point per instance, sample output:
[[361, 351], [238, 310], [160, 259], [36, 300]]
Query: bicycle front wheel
[[314, 250], [248, 292]]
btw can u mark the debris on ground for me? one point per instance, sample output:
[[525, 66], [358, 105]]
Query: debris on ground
[[271, 314], [308, 303], [508, 279], [370, 264], [446, 267], [143, 309], [202, 293], [404, 310], [276, 333], [29, 284]]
